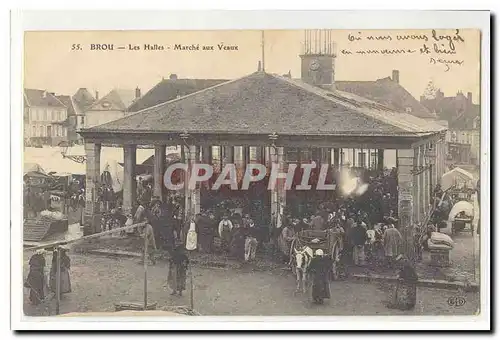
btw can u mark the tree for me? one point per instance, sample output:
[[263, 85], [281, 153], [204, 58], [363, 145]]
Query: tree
[[430, 91]]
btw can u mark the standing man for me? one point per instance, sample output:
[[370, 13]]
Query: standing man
[[358, 239], [392, 244]]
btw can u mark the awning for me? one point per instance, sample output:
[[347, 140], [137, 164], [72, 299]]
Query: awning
[[458, 177], [462, 206]]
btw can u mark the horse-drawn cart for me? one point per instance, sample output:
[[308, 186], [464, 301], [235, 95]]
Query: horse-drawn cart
[[306, 242]]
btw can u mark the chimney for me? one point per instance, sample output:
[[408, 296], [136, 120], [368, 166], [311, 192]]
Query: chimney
[[259, 66], [422, 98], [395, 76], [173, 76], [137, 93], [96, 95], [469, 97]]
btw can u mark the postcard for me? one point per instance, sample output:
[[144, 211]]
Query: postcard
[[253, 174]]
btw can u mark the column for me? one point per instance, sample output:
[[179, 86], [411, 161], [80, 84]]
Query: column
[[433, 169], [326, 156], [159, 171], [406, 198], [336, 157], [417, 186], [129, 182], [380, 159], [206, 154], [92, 172], [425, 183], [259, 155], [245, 155], [278, 194], [228, 156], [191, 194]]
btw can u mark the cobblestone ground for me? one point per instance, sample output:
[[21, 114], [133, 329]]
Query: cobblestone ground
[[99, 282]]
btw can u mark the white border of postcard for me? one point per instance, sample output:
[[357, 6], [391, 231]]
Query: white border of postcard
[[201, 20]]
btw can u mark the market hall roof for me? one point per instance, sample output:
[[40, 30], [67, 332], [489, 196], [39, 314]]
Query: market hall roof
[[262, 104]]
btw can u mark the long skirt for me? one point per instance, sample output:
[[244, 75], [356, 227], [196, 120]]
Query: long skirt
[[405, 296], [35, 283], [176, 277], [320, 289], [65, 281]]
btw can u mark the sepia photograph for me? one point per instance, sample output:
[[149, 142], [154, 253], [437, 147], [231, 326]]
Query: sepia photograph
[[316, 172]]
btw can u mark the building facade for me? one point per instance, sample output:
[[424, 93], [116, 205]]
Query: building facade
[[45, 118], [111, 107], [464, 126]]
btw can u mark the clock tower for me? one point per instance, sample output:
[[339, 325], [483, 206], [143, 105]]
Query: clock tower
[[318, 58]]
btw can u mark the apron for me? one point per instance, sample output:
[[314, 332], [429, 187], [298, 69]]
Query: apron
[[192, 237]]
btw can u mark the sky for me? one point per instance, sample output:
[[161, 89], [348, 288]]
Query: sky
[[54, 62]]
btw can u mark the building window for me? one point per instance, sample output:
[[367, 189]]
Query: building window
[[408, 110], [33, 131], [46, 115], [82, 120]]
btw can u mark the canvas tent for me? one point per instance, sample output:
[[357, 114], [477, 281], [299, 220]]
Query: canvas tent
[[458, 177]]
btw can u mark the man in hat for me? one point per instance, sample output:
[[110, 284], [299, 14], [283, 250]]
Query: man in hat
[[178, 265], [205, 230], [150, 243], [405, 294], [357, 237], [392, 244]]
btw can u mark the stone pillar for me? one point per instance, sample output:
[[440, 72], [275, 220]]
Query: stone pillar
[[228, 156], [406, 198], [206, 154], [433, 169], [278, 194], [92, 179], [326, 156], [336, 157], [159, 171], [417, 186], [380, 159], [129, 182], [192, 195], [424, 183], [259, 155]]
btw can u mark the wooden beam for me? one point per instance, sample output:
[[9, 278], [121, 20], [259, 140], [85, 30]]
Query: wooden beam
[[84, 238]]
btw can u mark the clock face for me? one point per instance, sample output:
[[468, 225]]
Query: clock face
[[314, 65]]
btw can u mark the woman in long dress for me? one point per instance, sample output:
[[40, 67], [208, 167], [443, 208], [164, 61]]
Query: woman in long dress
[[285, 242], [65, 285], [177, 271], [35, 281], [320, 269], [405, 294]]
